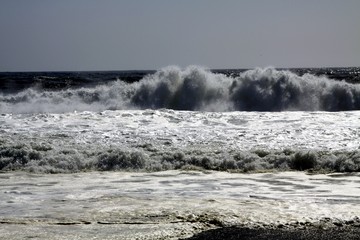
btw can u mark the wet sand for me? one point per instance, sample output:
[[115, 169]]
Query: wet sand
[[245, 233], [322, 230]]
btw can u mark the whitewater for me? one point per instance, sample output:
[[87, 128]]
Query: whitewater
[[194, 89], [177, 152]]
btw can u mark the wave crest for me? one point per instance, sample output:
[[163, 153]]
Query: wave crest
[[196, 88], [191, 89], [43, 157]]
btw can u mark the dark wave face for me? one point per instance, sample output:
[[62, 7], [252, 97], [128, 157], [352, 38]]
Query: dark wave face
[[193, 89]]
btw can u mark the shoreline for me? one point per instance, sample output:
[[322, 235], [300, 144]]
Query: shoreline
[[324, 229], [178, 205], [200, 229]]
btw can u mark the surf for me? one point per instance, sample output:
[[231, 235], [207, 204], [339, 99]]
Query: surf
[[194, 89]]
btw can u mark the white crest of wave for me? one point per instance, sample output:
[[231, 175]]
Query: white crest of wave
[[33, 100], [196, 88], [193, 88], [260, 89]]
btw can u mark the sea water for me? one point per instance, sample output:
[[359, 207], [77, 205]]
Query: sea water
[[153, 154]]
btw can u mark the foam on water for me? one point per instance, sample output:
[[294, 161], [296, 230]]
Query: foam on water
[[189, 201], [155, 140], [141, 128], [195, 88]]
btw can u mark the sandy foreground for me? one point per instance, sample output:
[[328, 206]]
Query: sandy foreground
[[179, 205]]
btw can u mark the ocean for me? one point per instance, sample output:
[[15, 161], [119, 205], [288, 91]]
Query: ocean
[[169, 154]]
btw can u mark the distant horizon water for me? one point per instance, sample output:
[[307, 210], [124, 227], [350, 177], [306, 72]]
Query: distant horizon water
[[180, 66]]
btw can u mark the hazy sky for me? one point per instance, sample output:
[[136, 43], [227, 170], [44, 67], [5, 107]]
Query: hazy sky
[[78, 35]]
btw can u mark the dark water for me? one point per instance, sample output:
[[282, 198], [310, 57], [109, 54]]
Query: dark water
[[11, 82], [17, 81]]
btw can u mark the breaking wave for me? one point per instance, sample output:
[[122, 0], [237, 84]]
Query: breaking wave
[[46, 158], [195, 88]]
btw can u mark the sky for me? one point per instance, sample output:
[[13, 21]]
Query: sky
[[81, 35]]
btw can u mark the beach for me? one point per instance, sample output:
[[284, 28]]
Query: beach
[[177, 205]]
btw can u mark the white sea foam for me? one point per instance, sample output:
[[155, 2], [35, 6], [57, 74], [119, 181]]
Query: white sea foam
[[156, 140], [40, 205]]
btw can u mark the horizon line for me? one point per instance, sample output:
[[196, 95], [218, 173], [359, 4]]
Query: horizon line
[[154, 70]]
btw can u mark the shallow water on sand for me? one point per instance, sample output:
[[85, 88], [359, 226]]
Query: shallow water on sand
[[169, 204]]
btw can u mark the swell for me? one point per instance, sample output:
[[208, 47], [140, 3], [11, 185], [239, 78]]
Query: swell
[[195, 89]]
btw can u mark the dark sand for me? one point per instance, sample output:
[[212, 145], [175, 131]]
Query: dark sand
[[245, 233]]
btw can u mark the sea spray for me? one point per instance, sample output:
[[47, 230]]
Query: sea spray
[[195, 89]]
